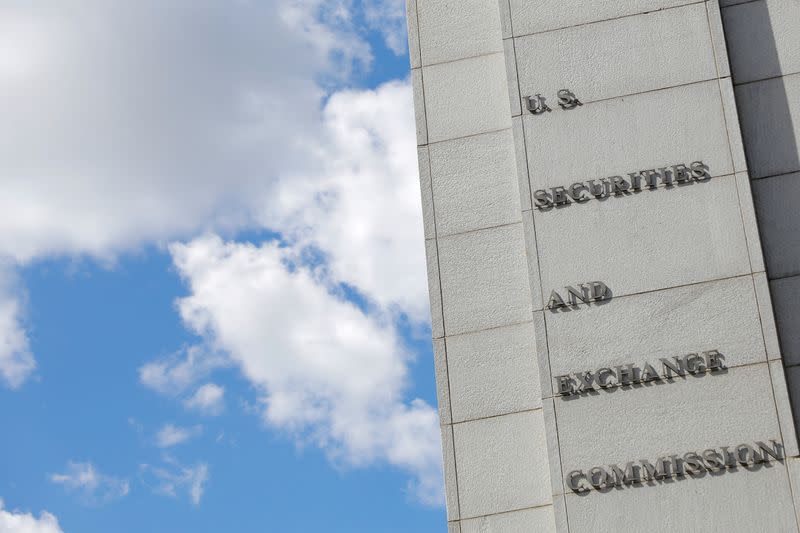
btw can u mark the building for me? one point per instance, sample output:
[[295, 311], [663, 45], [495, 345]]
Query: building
[[610, 193]]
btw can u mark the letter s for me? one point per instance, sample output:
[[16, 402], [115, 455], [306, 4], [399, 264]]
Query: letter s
[[713, 459], [700, 171], [694, 463]]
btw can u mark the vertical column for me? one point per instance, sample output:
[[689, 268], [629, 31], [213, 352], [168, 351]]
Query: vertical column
[[643, 186], [764, 43], [496, 463]]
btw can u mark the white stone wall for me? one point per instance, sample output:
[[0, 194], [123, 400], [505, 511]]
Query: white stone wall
[[497, 467], [685, 263]]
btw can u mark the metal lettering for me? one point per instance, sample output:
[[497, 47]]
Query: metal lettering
[[585, 293], [618, 476], [574, 295], [560, 196], [585, 379], [682, 173], [700, 171], [776, 453], [728, 458], [573, 481], [714, 360], [636, 180], [633, 473], [555, 301], [713, 459], [666, 176], [598, 477], [566, 385], [649, 373], [542, 198], [694, 363], [661, 470], [677, 465], [626, 374], [664, 467], [671, 367], [599, 290], [567, 99], [746, 455], [651, 177], [693, 462], [648, 470], [602, 377], [599, 190], [619, 185], [673, 466], [576, 191], [536, 104]]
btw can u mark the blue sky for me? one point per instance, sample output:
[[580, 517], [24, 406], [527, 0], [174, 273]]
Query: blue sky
[[213, 309]]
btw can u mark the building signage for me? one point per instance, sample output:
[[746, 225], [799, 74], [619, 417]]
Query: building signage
[[538, 104], [583, 191], [594, 291], [693, 464], [625, 375]]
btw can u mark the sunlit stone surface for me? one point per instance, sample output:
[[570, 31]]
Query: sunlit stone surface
[[669, 176]]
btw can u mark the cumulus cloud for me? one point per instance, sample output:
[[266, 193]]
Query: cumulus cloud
[[173, 374], [16, 360], [131, 122], [92, 486], [19, 522], [326, 372], [208, 399], [361, 203], [170, 435], [389, 18], [126, 123], [172, 478]]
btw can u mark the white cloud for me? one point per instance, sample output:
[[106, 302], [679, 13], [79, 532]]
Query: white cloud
[[361, 206], [172, 478], [174, 374], [326, 372], [19, 522], [131, 122], [16, 360], [389, 18], [208, 399], [93, 486], [128, 123], [170, 435]]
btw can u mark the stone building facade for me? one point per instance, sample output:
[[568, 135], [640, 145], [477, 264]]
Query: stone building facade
[[610, 193]]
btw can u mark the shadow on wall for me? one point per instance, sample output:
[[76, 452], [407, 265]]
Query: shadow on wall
[[766, 121], [761, 96]]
